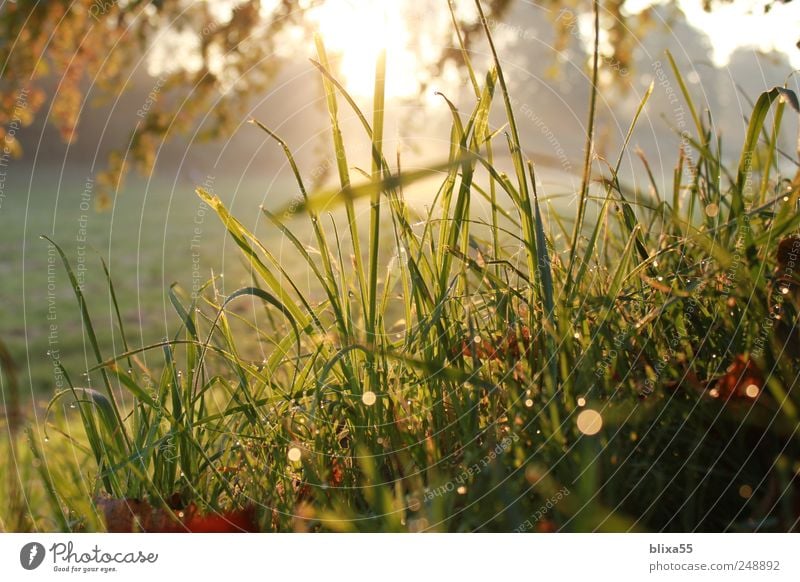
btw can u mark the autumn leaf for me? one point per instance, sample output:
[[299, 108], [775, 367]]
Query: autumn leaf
[[742, 380], [134, 515]]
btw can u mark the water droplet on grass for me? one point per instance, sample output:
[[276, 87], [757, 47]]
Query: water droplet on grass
[[589, 422]]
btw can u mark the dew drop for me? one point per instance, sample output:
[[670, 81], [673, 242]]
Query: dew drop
[[589, 422]]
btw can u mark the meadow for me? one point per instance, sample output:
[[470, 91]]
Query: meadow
[[630, 366]]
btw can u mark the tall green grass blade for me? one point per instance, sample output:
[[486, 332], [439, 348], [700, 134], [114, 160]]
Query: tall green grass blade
[[615, 178], [89, 328], [375, 201], [344, 173], [687, 97], [588, 152]]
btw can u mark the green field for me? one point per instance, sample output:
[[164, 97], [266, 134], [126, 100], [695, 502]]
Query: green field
[[157, 234]]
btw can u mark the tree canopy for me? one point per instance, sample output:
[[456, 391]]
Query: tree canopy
[[61, 51]]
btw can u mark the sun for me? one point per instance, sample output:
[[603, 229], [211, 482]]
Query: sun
[[355, 31]]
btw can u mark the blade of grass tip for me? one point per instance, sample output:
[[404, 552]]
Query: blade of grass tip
[[677, 179], [183, 313], [464, 54], [772, 144], [588, 150], [596, 231], [790, 97], [689, 102], [344, 173], [377, 157], [544, 268], [481, 135], [375, 206], [113, 295], [87, 321], [242, 236], [516, 148], [649, 173], [507, 99], [455, 229], [329, 280], [744, 180], [378, 107], [544, 274], [326, 278]]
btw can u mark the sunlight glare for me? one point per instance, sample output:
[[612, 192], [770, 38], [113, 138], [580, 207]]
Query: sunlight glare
[[356, 31]]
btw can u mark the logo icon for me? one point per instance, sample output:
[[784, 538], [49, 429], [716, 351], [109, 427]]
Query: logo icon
[[31, 555]]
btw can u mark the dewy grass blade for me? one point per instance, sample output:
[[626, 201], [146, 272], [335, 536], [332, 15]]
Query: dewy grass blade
[[587, 258], [344, 173], [89, 327], [375, 201], [588, 151]]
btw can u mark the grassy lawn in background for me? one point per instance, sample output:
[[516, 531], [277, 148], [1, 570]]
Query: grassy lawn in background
[[145, 248]]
